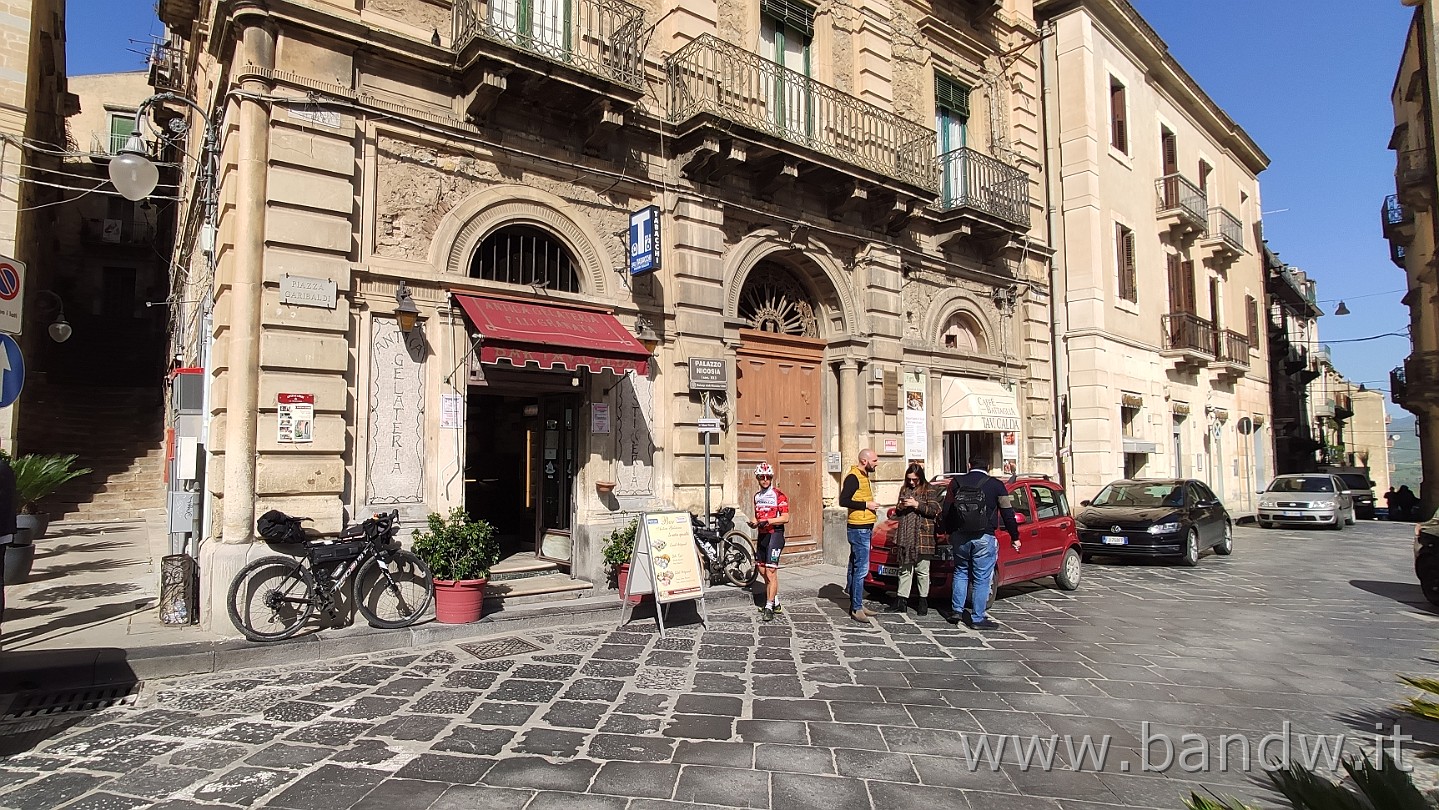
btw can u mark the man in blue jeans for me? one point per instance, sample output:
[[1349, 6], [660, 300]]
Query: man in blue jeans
[[973, 507], [856, 494]]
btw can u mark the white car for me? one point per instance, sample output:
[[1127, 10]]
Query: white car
[[1306, 499]]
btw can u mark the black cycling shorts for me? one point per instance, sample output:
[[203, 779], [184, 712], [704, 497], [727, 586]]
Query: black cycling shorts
[[770, 547]]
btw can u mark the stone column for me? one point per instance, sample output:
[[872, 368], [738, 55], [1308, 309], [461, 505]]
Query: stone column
[[851, 431]]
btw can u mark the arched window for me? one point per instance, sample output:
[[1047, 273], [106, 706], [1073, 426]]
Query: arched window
[[774, 301], [962, 333], [524, 255]]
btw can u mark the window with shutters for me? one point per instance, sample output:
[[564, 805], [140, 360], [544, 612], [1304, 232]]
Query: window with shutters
[[1204, 170], [951, 118], [121, 126], [1129, 421], [1124, 259], [1181, 285], [1251, 310], [786, 29], [1169, 149], [1118, 117]]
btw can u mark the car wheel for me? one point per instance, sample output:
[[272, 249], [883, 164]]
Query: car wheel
[[1338, 522], [1349, 521], [1264, 524], [1427, 569], [1226, 546], [1069, 571], [1191, 549]]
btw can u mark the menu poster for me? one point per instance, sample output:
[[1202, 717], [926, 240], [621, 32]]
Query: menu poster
[[666, 561], [296, 418]]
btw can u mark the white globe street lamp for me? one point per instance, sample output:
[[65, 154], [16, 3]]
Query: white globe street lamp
[[131, 170]]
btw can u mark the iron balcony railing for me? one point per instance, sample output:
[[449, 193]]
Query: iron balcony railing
[[1396, 254], [1176, 192], [1398, 387], [711, 76], [599, 37], [1413, 167], [1226, 227], [1236, 348], [1186, 331], [970, 179], [1394, 212]]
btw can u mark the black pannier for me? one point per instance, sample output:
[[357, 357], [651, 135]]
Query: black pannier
[[278, 527]]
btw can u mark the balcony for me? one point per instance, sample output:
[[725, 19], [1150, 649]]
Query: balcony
[[1183, 207], [982, 193], [116, 232], [1414, 178], [1397, 220], [735, 110], [1398, 387], [1233, 357], [167, 69], [1223, 241], [1343, 407], [1421, 379], [502, 46], [1188, 339]]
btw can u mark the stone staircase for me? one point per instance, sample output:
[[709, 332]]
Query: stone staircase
[[523, 578], [117, 432]]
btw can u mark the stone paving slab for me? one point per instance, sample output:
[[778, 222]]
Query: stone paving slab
[[812, 710]]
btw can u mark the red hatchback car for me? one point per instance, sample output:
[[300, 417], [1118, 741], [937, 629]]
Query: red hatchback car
[[1049, 544]]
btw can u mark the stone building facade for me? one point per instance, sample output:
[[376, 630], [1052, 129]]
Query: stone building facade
[[849, 220], [1412, 227], [1159, 277]]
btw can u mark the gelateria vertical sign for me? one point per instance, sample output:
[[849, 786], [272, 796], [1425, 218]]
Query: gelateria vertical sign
[[396, 472]]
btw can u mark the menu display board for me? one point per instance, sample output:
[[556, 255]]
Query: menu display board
[[666, 561]]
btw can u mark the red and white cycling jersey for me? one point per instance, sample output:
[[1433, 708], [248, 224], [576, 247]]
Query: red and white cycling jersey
[[770, 504]]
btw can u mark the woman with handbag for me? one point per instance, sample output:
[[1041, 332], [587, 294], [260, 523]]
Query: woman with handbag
[[912, 547]]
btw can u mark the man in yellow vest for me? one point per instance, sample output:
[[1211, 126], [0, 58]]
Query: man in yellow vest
[[857, 495]]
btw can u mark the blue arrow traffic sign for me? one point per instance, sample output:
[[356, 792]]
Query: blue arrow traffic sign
[[12, 371]]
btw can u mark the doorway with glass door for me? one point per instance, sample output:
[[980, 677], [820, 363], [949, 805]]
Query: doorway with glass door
[[521, 457]]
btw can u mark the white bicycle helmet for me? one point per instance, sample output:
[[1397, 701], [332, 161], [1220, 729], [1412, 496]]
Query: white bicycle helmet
[[763, 468]]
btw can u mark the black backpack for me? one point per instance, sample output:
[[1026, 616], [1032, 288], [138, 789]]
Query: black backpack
[[278, 527], [968, 512]]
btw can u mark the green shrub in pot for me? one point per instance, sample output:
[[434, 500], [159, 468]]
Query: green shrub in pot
[[37, 477], [457, 547]]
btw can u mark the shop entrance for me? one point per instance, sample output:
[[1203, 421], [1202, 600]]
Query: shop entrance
[[521, 456]]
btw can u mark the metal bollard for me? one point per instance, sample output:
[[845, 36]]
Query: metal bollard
[[178, 597]]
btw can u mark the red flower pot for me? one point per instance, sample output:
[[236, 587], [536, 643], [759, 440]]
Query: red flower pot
[[624, 577], [459, 601]]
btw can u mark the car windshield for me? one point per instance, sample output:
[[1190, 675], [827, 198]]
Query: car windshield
[[1140, 494], [1303, 484], [1354, 480]]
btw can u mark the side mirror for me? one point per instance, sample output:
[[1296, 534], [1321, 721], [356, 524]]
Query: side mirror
[[1085, 503], [1260, 491], [1371, 484]]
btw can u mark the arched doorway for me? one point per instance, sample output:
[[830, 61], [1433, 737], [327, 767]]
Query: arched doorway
[[779, 394]]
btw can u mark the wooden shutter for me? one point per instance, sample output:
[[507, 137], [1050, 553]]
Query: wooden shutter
[[1124, 256], [1204, 170], [1170, 148], [1191, 301], [792, 13], [1176, 284], [1118, 122], [1251, 307], [951, 95]]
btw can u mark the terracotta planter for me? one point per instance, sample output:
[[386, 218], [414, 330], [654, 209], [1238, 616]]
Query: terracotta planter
[[624, 577], [605, 487], [459, 601]]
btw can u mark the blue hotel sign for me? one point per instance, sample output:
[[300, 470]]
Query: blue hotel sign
[[645, 240]]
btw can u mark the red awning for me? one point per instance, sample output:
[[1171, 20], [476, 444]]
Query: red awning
[[548, 336]]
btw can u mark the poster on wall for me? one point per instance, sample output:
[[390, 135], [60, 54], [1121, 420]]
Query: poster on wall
[[296, 418], [599, 418], [452, 411], [916, 421]]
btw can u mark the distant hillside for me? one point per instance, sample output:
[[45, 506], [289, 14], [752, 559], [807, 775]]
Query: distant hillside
[[1404, 455]]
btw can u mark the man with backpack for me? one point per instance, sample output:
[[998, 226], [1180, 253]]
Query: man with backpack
[[973, 507]]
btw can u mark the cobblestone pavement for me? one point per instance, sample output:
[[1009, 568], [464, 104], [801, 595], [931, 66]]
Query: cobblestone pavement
[[812, 710]]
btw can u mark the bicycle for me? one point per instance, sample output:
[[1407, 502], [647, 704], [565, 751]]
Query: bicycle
[[272, 597], [727, 552]]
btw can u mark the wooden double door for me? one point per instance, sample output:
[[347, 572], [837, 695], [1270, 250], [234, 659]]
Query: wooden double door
[[779, 388]]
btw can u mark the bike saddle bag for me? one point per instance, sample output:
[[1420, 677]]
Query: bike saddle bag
[[277, 527]]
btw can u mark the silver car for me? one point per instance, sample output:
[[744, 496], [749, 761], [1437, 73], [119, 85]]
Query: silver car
[[1307, 499]]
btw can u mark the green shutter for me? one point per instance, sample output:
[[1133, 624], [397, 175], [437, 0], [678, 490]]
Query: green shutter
[[790, 13], [951, 95], [120, 128]]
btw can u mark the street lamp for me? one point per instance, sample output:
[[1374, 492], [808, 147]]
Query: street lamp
[[406, 313], [59, 329], [132, 171]]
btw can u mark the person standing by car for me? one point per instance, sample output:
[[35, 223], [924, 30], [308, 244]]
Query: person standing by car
[[1389, 504], [771, 512], [856, 494], [973, 506], [913, 540]]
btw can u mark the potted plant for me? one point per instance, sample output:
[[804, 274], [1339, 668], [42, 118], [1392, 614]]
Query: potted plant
[[460, 552], [619, 546], [37, 477]]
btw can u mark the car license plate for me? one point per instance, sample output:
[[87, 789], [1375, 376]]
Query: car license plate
[[1293, 514], [1114, 540], [888, 571]]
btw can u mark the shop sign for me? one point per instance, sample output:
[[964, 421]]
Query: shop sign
[[645, 240]]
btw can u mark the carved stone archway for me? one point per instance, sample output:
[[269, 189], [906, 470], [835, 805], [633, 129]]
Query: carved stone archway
[[812, 267], [467, 225]]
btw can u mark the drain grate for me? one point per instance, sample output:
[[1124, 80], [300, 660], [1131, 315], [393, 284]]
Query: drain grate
[[499, 648], [43, 704]]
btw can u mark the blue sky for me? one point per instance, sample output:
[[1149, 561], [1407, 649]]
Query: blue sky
[[1316, 99]]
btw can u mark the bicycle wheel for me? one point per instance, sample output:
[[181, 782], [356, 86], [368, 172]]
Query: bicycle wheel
[[395, 591], [271, 598], [738, 561]]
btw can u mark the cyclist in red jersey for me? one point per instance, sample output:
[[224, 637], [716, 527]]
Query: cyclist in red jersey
[[771, 513]]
